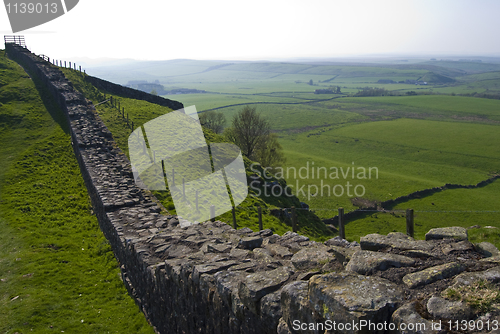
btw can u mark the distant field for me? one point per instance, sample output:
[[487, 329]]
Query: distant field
[[435, 105]]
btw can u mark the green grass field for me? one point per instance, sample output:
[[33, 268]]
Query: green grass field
[[57, 271]]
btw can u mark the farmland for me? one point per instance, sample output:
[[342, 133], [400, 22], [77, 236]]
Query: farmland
[[414, 141]]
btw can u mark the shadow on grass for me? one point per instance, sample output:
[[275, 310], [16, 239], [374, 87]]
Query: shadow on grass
[[48, 100]]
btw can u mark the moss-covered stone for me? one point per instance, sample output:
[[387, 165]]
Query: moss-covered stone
[[454, 232], [433, 274]]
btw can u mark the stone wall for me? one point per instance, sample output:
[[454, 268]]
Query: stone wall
[[210, 278], [112, 88]]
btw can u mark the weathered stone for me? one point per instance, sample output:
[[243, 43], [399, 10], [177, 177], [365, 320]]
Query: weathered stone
[[461, 246], [456, 233], [343, 254], [442, 308], [283, 327], [248, 266], [250, 242], [239, 253], [407, 317], [270, 309], [486, 248], [257, 285], [280, 251], [311, 257], [433, 274], [176, 251], [173, 222], [492, 259], [339, 242], [211, 268], [295, 304], [491, 275], [266, 233], [307, 275], [417, 253], [216, 248], [244, 230], [160, 250], [262, 255], [349, 298], [291, 237], [365, 262], [227, 283], [162, 224], [398, 240], [272, 239]]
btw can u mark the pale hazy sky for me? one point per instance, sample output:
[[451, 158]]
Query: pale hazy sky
[[264, 29]]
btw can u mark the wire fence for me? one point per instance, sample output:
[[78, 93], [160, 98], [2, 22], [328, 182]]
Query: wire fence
[[342, 218]]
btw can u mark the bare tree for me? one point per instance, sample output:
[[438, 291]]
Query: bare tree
[[250, 130], [215, 121]]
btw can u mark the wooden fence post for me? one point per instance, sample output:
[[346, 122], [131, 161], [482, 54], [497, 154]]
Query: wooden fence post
[[341, 223], [183, 189], [197, 201], [294, 220], [234, 218], [259, 211], [409, 223], [212, 213]]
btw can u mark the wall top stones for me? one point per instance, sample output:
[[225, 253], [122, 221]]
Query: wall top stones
[[132, 93]]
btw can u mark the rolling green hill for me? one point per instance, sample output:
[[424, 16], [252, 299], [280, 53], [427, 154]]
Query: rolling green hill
[[57, 271]]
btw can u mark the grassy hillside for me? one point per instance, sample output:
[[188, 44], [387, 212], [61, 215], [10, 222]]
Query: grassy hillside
[[57, 271]]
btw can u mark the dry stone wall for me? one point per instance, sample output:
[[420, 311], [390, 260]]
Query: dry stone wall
[[132, 93], [210, 278]]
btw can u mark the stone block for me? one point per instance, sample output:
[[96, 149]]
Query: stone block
[[455, 232], [350, 298], [365, 262], [432, 274], [311, 257], [250, 242], [257, 285], [487, 249]]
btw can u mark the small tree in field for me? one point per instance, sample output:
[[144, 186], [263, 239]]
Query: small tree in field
[[252, 133], [215, 121], [249, 130]]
